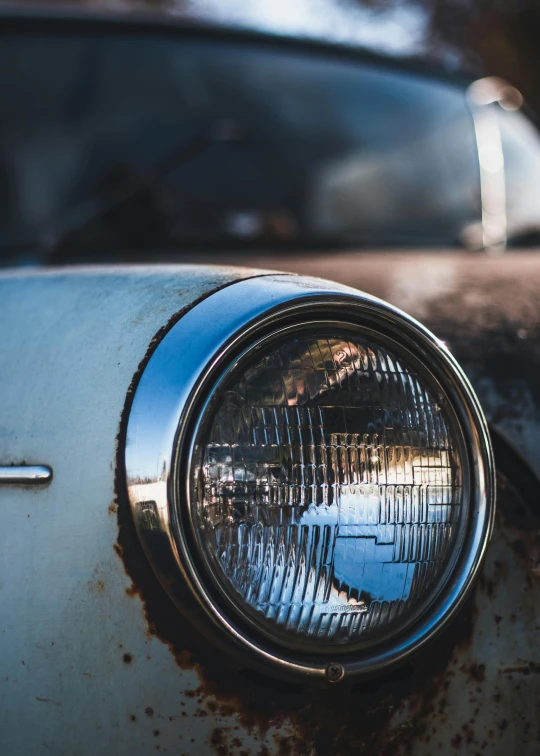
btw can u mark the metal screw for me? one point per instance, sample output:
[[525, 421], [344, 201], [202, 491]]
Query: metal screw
[[334, 672]]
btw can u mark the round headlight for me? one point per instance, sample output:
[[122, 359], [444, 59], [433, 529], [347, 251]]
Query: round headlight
[[322, 473], [326, 486]]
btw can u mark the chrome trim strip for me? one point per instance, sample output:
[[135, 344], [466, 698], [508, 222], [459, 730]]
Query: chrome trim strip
[[25, 474], [181, 370], [482, 97], [492, 178]]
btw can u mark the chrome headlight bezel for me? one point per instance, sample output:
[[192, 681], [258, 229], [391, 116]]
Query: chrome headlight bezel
[[211, 338]]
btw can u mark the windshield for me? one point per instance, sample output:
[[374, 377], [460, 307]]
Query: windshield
[[118, 141]]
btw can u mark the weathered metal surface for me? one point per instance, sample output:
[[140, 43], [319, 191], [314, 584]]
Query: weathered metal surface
[[94, 657]]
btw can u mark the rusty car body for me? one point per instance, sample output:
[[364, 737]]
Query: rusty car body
[[94, 655]]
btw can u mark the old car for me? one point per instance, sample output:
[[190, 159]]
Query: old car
[[247, 496]]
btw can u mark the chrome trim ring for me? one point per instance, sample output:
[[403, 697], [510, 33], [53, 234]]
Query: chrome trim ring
[[176, 382]]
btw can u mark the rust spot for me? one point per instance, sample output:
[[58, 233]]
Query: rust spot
[[284, 746], [149, 711], [128, 658], [132, 718], [185, 660], [469, 733], [477, 672], [113, 508], [216, 738], [155, 733], [96, 586], [523, 669], [456, 741], [487, 585]]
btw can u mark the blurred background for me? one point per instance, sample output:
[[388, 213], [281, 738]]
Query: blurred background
[[128, 142], [483, 37]]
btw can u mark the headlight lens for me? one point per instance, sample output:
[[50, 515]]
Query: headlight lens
[[326, 487]]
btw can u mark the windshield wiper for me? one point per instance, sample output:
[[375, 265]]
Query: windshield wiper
[[221, 131]]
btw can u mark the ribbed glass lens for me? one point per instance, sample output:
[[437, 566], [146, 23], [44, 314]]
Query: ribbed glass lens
[[326, 487]]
